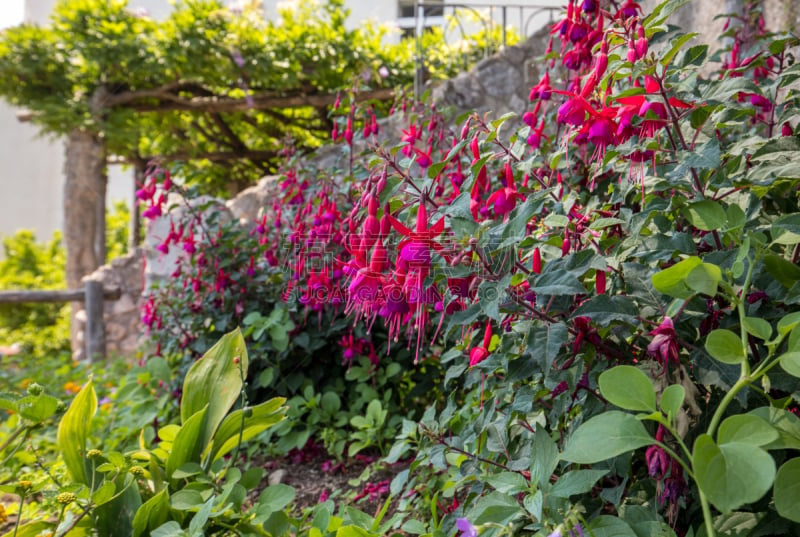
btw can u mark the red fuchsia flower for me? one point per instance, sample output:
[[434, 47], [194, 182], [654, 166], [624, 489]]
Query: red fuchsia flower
[[542, 91], [481, 353], [424, 158], [348, 131], [505, 199], [629, 9], [664, 347], [536, 261], [786, 129], [586, 332], [600, 282]]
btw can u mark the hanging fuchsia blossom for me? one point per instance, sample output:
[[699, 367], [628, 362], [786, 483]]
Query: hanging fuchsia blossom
[[664, 347]]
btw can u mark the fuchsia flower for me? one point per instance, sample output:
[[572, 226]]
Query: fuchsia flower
[[481, 353], [505, 199], [664, 347]]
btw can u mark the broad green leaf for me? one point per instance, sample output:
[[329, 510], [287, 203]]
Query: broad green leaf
[[675, 46], [785, 272], [533, 504], [276, 497], [787, 490], [672, 399], [725, 346], [73, 432], [496, 508], [786, 423], [544, 457], [604, 309], [733, 474], [215, 381], [508, 482], [186, 499], [558, 283], [610, 526], [188, 442], [31, 529], [746, 429], [257, 420], [787, 323], [605, 436], [576, 482], [704, 279], [672, 281], [152, 513], [786, 229], [628, 388], [547, 340], [790, 362], [37, 408], [707, 215], [758, 327]]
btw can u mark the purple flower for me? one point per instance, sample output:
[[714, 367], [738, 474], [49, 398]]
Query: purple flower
[[467, 530]]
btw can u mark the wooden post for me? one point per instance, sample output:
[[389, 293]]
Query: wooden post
[[135, 223], [95, 333]]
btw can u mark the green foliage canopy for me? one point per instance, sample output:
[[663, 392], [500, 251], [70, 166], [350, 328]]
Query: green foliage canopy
[[205, 82]]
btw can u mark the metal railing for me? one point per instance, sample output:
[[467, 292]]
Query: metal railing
[[525, 18]]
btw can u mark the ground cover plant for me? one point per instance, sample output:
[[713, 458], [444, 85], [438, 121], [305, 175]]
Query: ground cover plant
[[588, 321]]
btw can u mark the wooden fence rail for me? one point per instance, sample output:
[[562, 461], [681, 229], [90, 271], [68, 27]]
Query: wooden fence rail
[[92, 295]]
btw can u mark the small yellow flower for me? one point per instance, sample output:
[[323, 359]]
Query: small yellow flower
[[138, 471], [92, 453], [65, 498], [3, 515]]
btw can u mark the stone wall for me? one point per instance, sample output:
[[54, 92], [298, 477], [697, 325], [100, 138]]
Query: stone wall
[[498, 84], [121, 317]]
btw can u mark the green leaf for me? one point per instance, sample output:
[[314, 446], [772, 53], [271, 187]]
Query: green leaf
[[733, 474], [672, 399], [508, 482], [605, 436], [786, 493], [628, 388], [547, 340], [786, 423], [704, 279], [545, 458], [604, 309], [188, 443], [786, 229], [675, 46], [37, 408], [672, 281], [610, 526], [725, 346], [151, 514], [707, 215], [257, 420], [496, 508], [276, 497], [73, 432], [787, 323], [785, 272], [215, 381], [757, 327], [576, 482], [790, 362], [558, 283], [186, 499], [746, 429]]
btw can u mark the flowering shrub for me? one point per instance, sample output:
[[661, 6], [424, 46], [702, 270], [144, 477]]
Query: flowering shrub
[[610, 287]]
